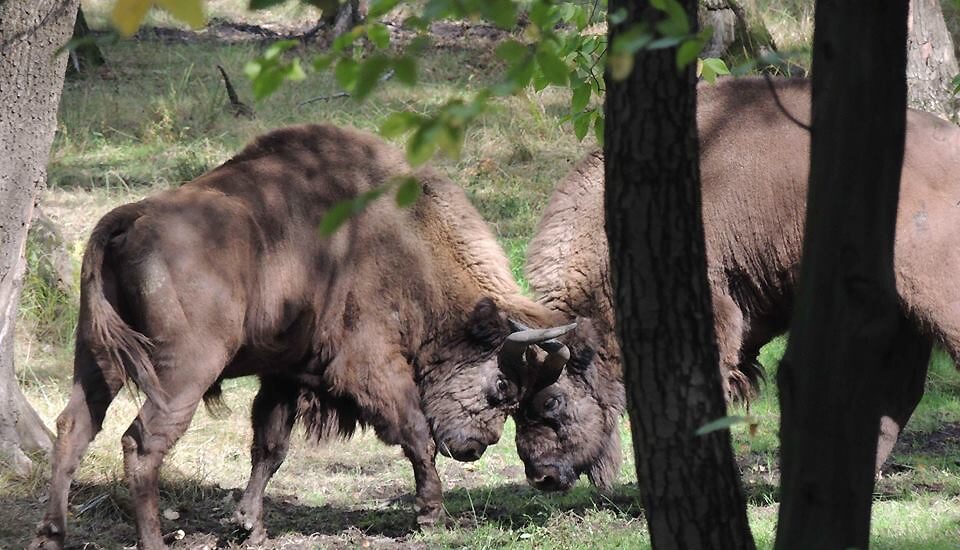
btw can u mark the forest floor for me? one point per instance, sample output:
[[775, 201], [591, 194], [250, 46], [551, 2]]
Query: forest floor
[[159, 116]]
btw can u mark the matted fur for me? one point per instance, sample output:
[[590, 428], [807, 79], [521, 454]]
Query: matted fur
[[754, 172], [393, 322]]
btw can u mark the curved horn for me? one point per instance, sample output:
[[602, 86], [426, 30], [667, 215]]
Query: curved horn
[[511, 353]]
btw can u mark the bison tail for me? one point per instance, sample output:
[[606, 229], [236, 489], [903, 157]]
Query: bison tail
[[115, 344]]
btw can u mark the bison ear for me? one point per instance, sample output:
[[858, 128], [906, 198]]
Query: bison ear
[[485, 323]]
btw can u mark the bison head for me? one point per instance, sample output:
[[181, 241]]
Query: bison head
[[570, 427], [477, 379]]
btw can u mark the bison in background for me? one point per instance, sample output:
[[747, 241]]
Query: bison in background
[[400, 321], [754, 169]]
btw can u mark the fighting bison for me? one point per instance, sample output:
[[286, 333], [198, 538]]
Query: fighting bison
[[754, 170], [400, 321]]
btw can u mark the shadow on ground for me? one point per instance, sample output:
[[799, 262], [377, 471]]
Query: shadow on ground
[[101, 515]]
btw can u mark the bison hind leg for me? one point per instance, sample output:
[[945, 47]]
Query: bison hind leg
[[80, 421], [273, 416]]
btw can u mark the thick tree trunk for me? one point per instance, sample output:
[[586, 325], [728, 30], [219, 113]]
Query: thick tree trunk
[[931, 62], [847, 314], [31, 80], [689, 484]]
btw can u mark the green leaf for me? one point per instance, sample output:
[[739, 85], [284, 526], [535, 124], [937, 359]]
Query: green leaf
[[263, 4], [406, 70], [369, 74], [717, 65], [620, 65], [723, 423], [378, 8], [322, 62], [688, 52], [399, 123], [581, 124], [346, 39], [618, 16], [502, 13], [188, 11], [325, 6], [274, 50], [408, 192], [346, 73], [581, 97], [379, 34], [127, 15], [336, 216], [554, 69], [632, 40], [665, 42], [512, 51], [676, 23], [423, 142]]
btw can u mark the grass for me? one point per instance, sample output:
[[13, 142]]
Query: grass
[[159, 117]]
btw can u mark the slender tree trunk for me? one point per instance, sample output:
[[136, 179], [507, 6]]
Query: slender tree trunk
[[31, 80], [86, 56], [689, 484], [931, 61], [847, 313]]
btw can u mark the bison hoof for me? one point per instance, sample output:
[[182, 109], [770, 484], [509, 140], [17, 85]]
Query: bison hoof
[[47, 542], [256, 534], [429, 517]]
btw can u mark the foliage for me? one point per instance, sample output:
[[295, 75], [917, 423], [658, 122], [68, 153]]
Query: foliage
[[554, 49]]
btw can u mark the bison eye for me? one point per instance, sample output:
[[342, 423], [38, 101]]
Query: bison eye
[[551, 405], [502, 385]]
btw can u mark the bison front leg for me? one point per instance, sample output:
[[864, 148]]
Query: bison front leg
[[903, 387], [274, 413], [399, 420]]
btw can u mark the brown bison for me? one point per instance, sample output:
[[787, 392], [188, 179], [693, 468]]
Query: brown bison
[[754, 170], [400, 321]]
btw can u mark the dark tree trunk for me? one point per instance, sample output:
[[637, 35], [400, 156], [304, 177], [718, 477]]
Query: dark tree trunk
[[689, 484], [87, 55], [931, 62], [31, 80], [847, 314]]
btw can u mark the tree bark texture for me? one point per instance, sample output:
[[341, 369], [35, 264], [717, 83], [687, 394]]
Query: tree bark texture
[[847, 313], [31, 80], [739, 33], [931, 61], [690, 486]]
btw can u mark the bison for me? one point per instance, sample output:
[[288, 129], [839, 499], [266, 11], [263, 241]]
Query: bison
[[401, 320], [754, 171]]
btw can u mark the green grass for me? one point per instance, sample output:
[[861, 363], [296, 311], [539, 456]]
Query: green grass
[[162, 118]]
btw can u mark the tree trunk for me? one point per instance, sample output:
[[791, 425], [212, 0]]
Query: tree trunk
[[847, 313], [86, 55], [689, 484], [931, 62], [31, 80], [739, 34]]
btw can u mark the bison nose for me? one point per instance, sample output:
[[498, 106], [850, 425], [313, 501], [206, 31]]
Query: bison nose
[[547, 479], [472, 451]]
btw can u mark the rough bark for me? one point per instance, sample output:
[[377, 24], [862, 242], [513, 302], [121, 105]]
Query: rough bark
[[31, 80], [689, 484], [847, 313], [931, 61], [738, 33]]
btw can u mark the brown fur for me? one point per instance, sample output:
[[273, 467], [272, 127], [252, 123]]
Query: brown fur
[[754, 169], [393, 322]]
